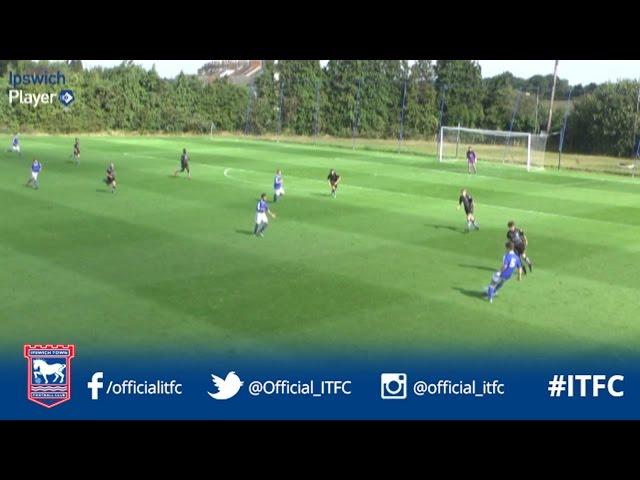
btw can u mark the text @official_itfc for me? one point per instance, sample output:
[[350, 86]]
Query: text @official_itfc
[[312, 388], [447, 387]]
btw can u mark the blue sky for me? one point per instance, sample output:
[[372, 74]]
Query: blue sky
[[576, 71]]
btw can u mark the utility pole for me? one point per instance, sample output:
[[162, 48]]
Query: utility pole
[[635, 124], [553, 94], [536, 124]]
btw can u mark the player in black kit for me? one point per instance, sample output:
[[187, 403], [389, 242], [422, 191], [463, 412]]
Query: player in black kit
[[466, 200], [519, 239]]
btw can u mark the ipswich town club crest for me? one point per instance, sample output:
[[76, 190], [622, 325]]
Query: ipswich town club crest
[[49, 373]]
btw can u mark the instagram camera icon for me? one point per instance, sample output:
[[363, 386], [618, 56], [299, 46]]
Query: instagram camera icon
[[393, 386]]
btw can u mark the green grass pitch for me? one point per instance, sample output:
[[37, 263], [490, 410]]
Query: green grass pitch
[[168, 263]]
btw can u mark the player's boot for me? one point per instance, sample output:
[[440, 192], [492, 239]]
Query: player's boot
[[490, 293]]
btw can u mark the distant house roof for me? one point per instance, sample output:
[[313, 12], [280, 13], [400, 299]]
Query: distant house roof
[[240, 72]]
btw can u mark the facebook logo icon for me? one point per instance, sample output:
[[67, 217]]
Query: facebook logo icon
[[95, 385]]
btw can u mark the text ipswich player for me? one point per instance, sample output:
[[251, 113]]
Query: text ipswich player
[[334, 180], [467, 200], [278, 186], [262, 221], [510, 263], [520, 242]]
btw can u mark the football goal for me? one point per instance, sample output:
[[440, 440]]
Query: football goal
[[496, 146]]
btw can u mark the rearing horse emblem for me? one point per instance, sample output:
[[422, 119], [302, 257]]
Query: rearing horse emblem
[[49, 373], [41, 369]]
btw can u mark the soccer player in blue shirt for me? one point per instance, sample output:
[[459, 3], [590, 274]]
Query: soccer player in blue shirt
[[36, 166], [15, 144], [278, 186], [262, 221], [510, 263]]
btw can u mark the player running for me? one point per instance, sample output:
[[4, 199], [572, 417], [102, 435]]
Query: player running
[[334, 180], [510, 263], [262, 221], [467, 200], [184, 164], [15, 144], [76, 152], [471, 160], [278, 186], [111, 177], [520, 241], [36, 167]]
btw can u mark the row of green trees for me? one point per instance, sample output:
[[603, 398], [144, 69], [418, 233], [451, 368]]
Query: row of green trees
[[375, 98]]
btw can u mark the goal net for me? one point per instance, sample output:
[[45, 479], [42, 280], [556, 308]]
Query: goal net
[[497, 146]]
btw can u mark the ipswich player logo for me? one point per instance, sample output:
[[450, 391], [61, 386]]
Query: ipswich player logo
[[49, 373]]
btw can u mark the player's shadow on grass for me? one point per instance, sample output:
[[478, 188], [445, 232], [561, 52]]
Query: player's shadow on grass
[[446, 227], [244, 232], [478, 267], [471, 293], [103, 190]]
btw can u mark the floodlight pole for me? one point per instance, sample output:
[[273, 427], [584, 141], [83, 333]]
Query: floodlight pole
[[513, 119], [317, 112], [444, 90], [357, 114], [280, 110], [537, 125], [248, 114], [553, 94], [564, 127], [404, 97], [635, 123]]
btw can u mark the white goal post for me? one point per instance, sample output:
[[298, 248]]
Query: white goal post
[[493, 146]]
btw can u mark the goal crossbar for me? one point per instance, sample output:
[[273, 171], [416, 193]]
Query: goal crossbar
[[508, 135]]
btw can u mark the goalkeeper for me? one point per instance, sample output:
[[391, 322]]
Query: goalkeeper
[[472, 158]]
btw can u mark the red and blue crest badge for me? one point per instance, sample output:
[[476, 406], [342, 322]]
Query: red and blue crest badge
[[49, 373]]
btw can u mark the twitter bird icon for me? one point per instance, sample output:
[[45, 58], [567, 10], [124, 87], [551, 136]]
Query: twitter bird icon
[[227, 387]]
